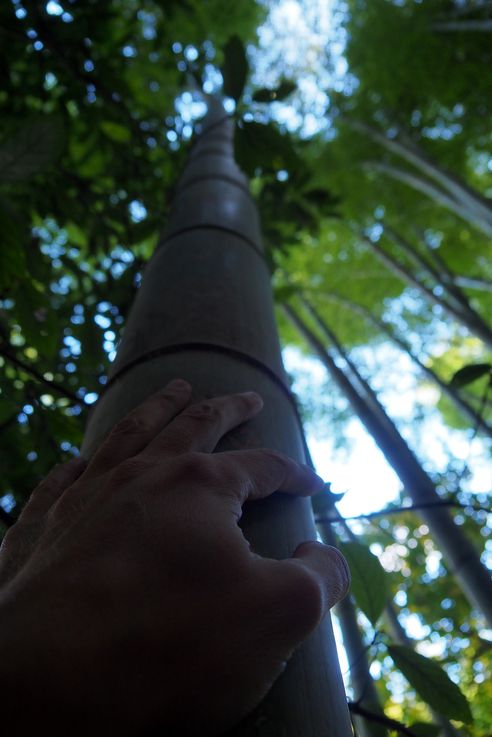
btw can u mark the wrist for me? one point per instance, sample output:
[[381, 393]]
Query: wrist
[[41, 681]]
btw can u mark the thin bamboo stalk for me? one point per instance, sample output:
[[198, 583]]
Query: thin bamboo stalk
[[461, 557], [462, 405], [363, 686], [469, 318]]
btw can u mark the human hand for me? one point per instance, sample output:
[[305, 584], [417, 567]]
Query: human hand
[[129, 597]]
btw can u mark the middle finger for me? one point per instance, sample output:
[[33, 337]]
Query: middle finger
[[200, 426]]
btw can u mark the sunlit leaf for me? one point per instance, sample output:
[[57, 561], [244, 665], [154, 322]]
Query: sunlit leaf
[[431, 682], [369, 580]]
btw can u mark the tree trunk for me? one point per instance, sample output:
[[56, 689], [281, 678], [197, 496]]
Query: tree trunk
[[462, 405], [204, 312], [462, 559]]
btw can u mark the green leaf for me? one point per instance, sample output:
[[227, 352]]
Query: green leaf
[[235, 68], [278, 94], [283, 294], [369, 580], [424, 729], [471, 373], [37, 144], [320, 198], [325, 500], [115, 131], [431, 682], [262, 146]]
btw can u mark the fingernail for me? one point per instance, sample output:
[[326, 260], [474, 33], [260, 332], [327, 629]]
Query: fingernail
[[253, 398], [317, 482], [343, 568]]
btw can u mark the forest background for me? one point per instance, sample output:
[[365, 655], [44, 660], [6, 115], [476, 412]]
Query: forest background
[[364, 127]]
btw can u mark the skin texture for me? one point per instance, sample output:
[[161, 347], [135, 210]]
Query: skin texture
[[129, 597]]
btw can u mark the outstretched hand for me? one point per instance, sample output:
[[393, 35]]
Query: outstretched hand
[[129, 597]]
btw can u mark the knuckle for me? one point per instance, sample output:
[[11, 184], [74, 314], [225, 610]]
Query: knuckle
[[129, 470], [207, 411], [166, 399], [129, 425], [275, 457], [197, 467]]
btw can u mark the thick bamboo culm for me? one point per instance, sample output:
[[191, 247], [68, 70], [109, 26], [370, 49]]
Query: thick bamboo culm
[[205, 313]]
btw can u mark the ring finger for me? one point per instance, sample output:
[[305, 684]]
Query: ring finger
[[132, 434]]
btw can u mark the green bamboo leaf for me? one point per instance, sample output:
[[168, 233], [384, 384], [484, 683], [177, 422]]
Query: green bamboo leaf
[[283, 294], [424, 729], [37, 144], [115, 131], [277, 94], [471, 373], [369, 580], [235, 68], [324, 502], [262, 146], [285, 88], [431, 682]]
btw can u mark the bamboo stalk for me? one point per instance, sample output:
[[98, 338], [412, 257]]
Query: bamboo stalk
[[363, 686], [469, 318], [461, 557], [462, 405], [404, 147], [205, 313]]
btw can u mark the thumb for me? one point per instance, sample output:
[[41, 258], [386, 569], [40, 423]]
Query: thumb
[[328, 567], [301, 590]]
